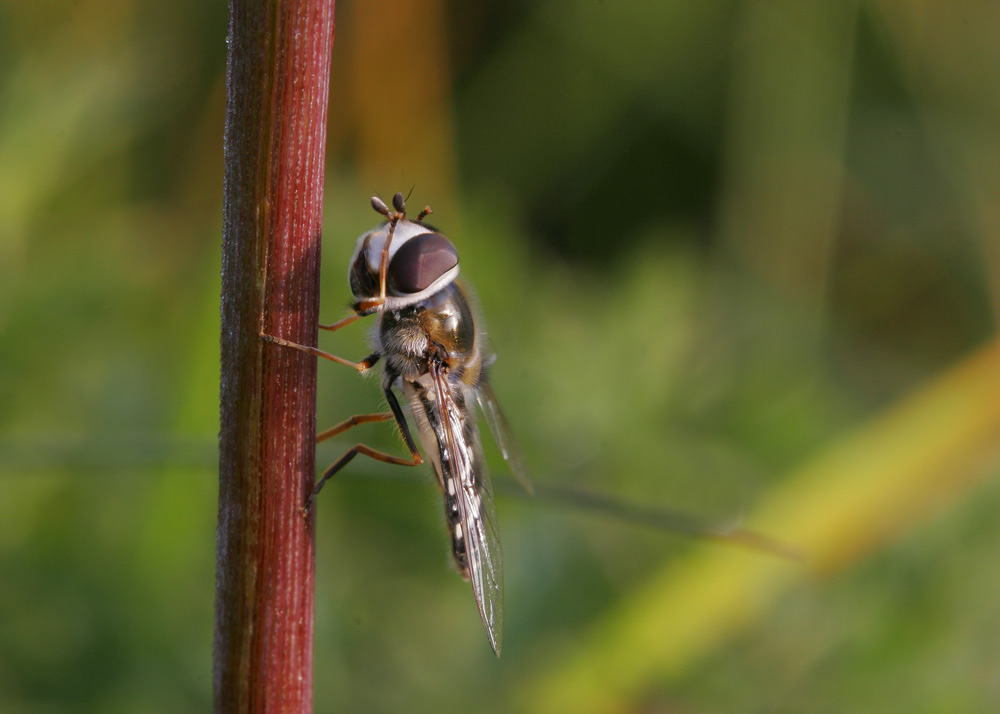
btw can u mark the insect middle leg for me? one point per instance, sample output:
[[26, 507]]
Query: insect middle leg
[[362, 366], [397, 413]]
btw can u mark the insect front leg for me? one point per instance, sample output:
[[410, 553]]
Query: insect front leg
[[397, 413], [341, 323]]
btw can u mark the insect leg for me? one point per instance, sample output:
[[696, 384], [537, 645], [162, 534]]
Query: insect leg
[[404, 428], [362, 366], [370, 305], [353, 421], [415, 458], [340, 323]]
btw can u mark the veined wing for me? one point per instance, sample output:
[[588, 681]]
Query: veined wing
[[502, 434], [469, 502]]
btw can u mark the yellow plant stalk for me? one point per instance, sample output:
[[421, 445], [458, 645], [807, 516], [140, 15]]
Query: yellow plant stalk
[[866, 489]]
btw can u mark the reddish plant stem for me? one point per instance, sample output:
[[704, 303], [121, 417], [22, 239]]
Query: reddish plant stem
[[278, 78]]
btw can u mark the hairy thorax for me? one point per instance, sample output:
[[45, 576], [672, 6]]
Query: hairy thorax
[[443, 325]]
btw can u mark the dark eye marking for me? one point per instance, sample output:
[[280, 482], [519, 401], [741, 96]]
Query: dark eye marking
[[420, 261]]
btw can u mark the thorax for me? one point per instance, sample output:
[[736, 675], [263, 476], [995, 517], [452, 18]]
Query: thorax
[[443, 325]]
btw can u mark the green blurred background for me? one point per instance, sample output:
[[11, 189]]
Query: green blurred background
[[736, 258]]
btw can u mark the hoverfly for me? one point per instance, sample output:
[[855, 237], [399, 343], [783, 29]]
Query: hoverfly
[[432, 347]]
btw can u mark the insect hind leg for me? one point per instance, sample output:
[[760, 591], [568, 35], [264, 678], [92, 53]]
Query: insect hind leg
[[397, 413], [353, 421], [415, 460]]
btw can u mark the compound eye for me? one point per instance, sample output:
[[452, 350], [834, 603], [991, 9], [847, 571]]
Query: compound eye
[[420, 261]]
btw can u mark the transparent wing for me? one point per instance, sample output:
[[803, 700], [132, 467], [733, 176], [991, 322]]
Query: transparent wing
[[469, 496], [502, 434]]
